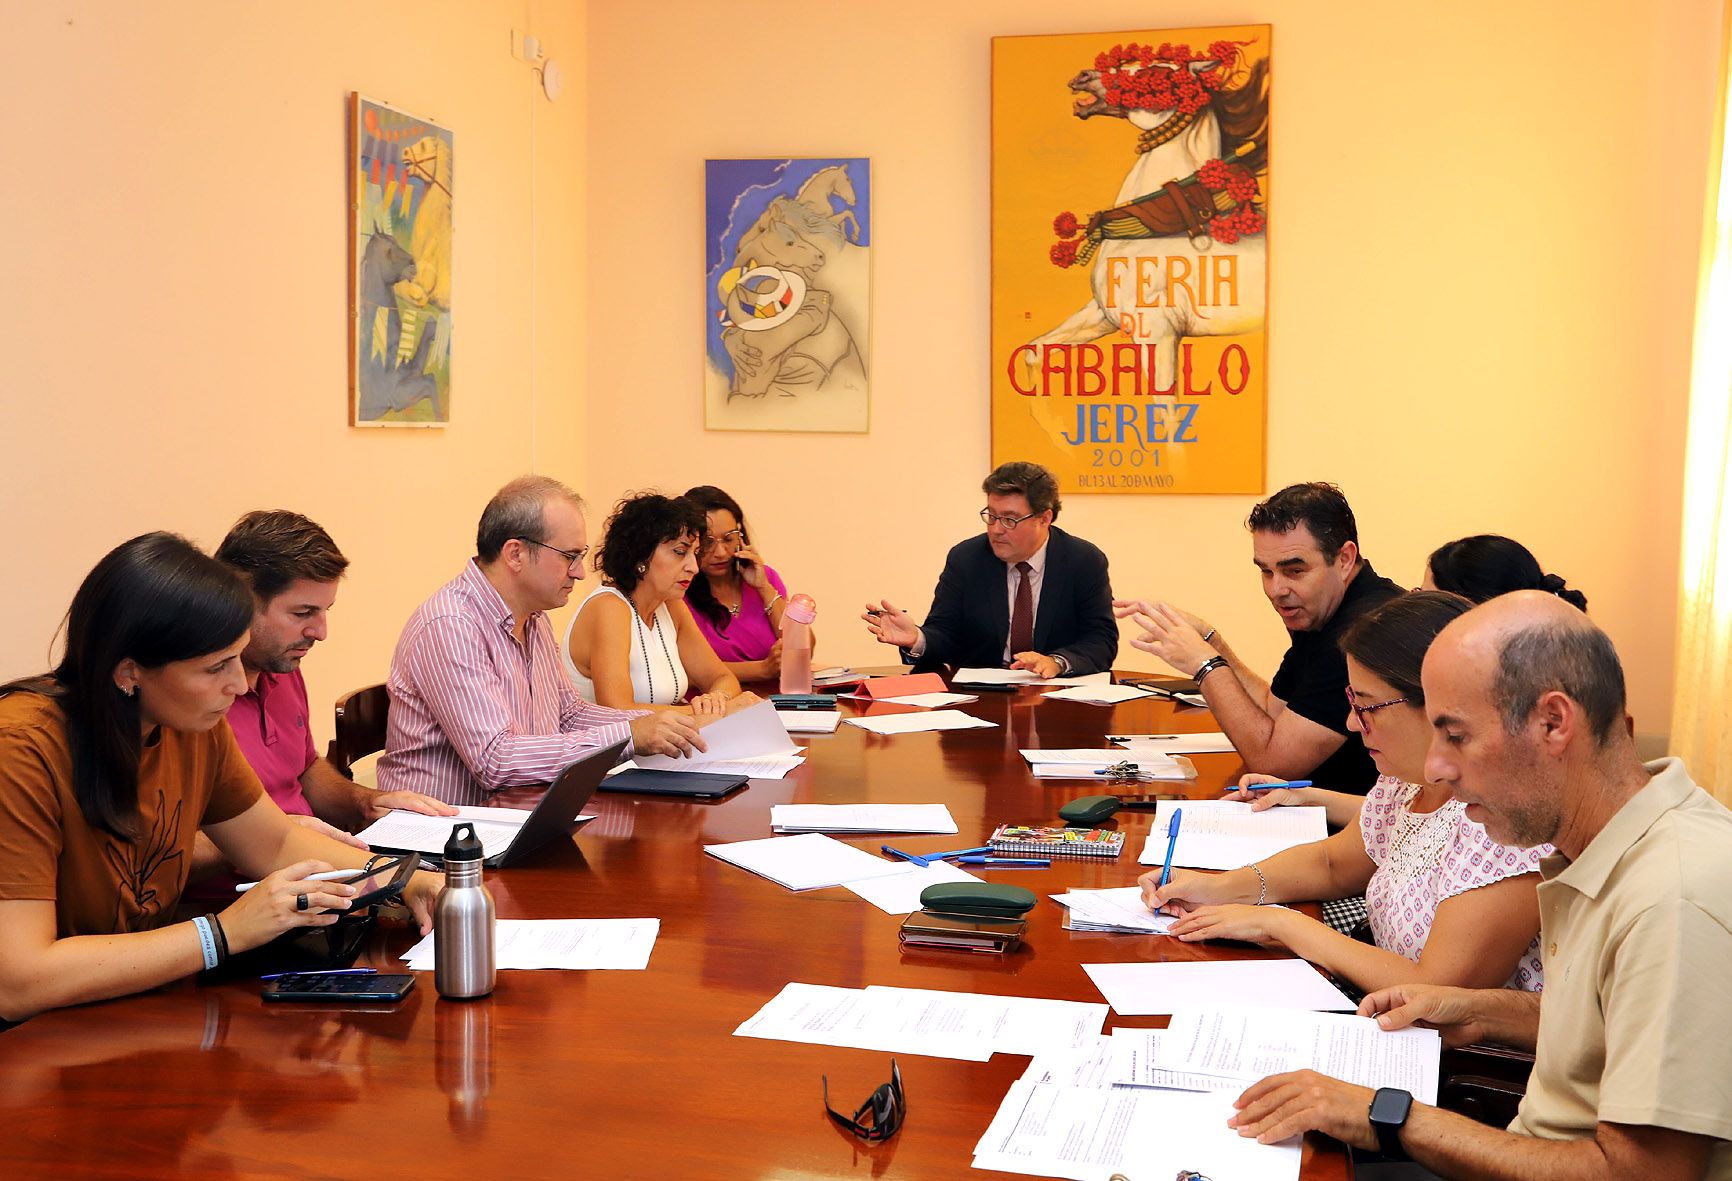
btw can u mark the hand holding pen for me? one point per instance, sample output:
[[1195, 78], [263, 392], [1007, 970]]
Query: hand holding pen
[[1263, 792]]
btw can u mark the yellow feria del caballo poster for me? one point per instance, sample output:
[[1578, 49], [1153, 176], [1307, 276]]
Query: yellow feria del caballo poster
[[1130, 229]]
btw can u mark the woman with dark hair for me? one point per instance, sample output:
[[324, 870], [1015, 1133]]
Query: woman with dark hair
[[1485, 566], [738, 603], [633, 643], [1447, 904], [113, 762]]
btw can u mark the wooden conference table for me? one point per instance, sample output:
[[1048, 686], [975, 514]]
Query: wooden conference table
[[613, 1074]]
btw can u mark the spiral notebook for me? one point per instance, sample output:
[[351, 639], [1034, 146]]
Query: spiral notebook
[[1044, 841]]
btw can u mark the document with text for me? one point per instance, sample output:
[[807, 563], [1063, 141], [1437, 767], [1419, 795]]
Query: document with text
[[856, 818], [572, 944], [1253, 1043], [1226, 834], [1146, 989], [754, 733], [915, 723], [810, 861]]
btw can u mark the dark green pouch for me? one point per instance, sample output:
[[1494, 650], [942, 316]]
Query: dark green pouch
[[1089, 810], [986, 899]]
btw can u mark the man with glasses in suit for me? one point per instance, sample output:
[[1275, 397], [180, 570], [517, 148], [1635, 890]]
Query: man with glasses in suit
[[1025, 594]]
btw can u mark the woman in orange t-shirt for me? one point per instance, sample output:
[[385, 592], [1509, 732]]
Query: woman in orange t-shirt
[[111, 764]]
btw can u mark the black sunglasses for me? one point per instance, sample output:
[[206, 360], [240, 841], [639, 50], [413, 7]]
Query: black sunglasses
[[880, 1117]]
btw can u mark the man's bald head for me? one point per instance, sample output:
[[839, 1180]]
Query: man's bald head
[[1531, 643]]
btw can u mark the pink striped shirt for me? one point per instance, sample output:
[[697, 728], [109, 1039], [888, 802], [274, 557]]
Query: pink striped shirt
[[473, 710]]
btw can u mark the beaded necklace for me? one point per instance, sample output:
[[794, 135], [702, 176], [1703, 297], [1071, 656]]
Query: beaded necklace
[[643, 646]]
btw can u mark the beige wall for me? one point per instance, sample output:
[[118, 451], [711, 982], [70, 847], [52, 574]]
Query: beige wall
[[1495, 339], [1484, 247], [173, 290]]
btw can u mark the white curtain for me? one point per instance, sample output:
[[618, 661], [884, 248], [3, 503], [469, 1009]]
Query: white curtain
[[1702, 692]]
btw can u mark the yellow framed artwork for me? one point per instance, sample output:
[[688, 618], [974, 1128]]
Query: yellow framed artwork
[[1130, 195]]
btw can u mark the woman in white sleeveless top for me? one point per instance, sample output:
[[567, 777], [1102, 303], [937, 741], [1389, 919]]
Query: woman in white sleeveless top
[[632, 643]]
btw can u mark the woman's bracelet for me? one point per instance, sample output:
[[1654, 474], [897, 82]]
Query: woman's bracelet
[[771, 605], [222, 937], [1262, 882]]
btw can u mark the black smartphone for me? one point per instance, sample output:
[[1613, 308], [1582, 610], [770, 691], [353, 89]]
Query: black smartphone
[[338, 986], [382, 882]]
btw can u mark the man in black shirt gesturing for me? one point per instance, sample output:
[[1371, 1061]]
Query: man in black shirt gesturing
[[1306, 546]]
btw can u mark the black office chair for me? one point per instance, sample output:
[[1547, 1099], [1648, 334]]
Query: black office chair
[[1484, 1082], [360, 727]]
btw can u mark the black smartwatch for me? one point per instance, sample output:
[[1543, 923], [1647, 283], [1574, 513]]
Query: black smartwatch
[[1389, 1108]]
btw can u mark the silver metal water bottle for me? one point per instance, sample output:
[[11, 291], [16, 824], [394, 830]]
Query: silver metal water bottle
[[463, 963]]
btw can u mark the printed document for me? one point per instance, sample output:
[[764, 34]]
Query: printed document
[[1226, 834], [931, 700], [809, 721], [994, 676], [937, 719], [810, 861], [1144, 989], [1015, 1024], [923, 818], [900, 893], [496, 828], [1088, 1133], [822, 1015], [623, 944], [753, 733], [1097, 694], [1174, 744], [1119, 909], [1256, 1042]]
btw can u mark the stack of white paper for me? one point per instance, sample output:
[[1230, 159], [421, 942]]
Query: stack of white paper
[[994, 676], [1203, 743], [1104, 678], [752, 742], [933, 818], [1226, 834], [810, 721], [1120, 910], [560, 943], [1083, 762], [834, 675], [1253, 1043], [495, 827], [1087, 1133], [938, 719], [965, 1025], [1144, 989], [931, 700], [811, 861], [1098, 694]]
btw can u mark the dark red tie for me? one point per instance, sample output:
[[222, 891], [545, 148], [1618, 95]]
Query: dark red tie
[[1022, 616]]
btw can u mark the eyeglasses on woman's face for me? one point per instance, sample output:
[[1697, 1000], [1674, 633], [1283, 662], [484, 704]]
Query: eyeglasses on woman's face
[[1364, 712], [731, 541]]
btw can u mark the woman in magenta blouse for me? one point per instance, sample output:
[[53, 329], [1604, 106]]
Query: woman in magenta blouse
[[738, 600]]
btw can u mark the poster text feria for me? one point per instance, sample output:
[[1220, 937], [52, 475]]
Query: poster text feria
[[1130, 196]]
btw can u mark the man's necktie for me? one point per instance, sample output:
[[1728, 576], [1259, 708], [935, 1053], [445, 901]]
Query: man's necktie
[[1022, 616]]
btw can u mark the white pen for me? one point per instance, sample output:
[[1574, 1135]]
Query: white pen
[[333, 876]]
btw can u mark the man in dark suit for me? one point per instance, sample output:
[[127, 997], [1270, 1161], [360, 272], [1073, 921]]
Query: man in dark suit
[[1023, 594]]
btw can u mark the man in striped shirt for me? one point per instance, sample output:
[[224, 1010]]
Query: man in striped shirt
[[480, 700]]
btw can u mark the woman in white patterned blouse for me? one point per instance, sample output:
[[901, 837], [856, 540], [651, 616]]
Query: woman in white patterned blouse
[[1447, 904]]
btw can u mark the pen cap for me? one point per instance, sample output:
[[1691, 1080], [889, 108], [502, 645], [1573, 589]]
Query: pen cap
[[463, 844]]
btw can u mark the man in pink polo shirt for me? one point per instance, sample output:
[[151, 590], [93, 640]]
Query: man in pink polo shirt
[[293, 567]]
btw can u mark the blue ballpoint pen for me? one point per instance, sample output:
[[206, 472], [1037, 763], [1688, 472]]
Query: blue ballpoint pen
[[325, 972], [1172, 839], [1007, 862], [1273, 786]]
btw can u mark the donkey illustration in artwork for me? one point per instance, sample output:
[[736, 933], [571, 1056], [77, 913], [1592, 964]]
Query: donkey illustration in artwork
[[1149, 249]]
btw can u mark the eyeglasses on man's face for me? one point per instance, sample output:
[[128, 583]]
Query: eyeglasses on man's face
[[1364, 712], [990, 518], [731, 541], [573, 557]]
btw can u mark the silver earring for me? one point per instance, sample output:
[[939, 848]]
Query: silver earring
[[130, 690], [641, 568]]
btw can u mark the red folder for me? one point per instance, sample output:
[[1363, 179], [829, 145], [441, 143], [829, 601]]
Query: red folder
[[878, 688]]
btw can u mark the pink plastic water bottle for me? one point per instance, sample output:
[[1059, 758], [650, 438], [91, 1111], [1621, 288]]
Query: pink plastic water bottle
[[797, 644]]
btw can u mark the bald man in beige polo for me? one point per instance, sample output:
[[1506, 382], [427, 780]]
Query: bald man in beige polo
[[1633, 1041]]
